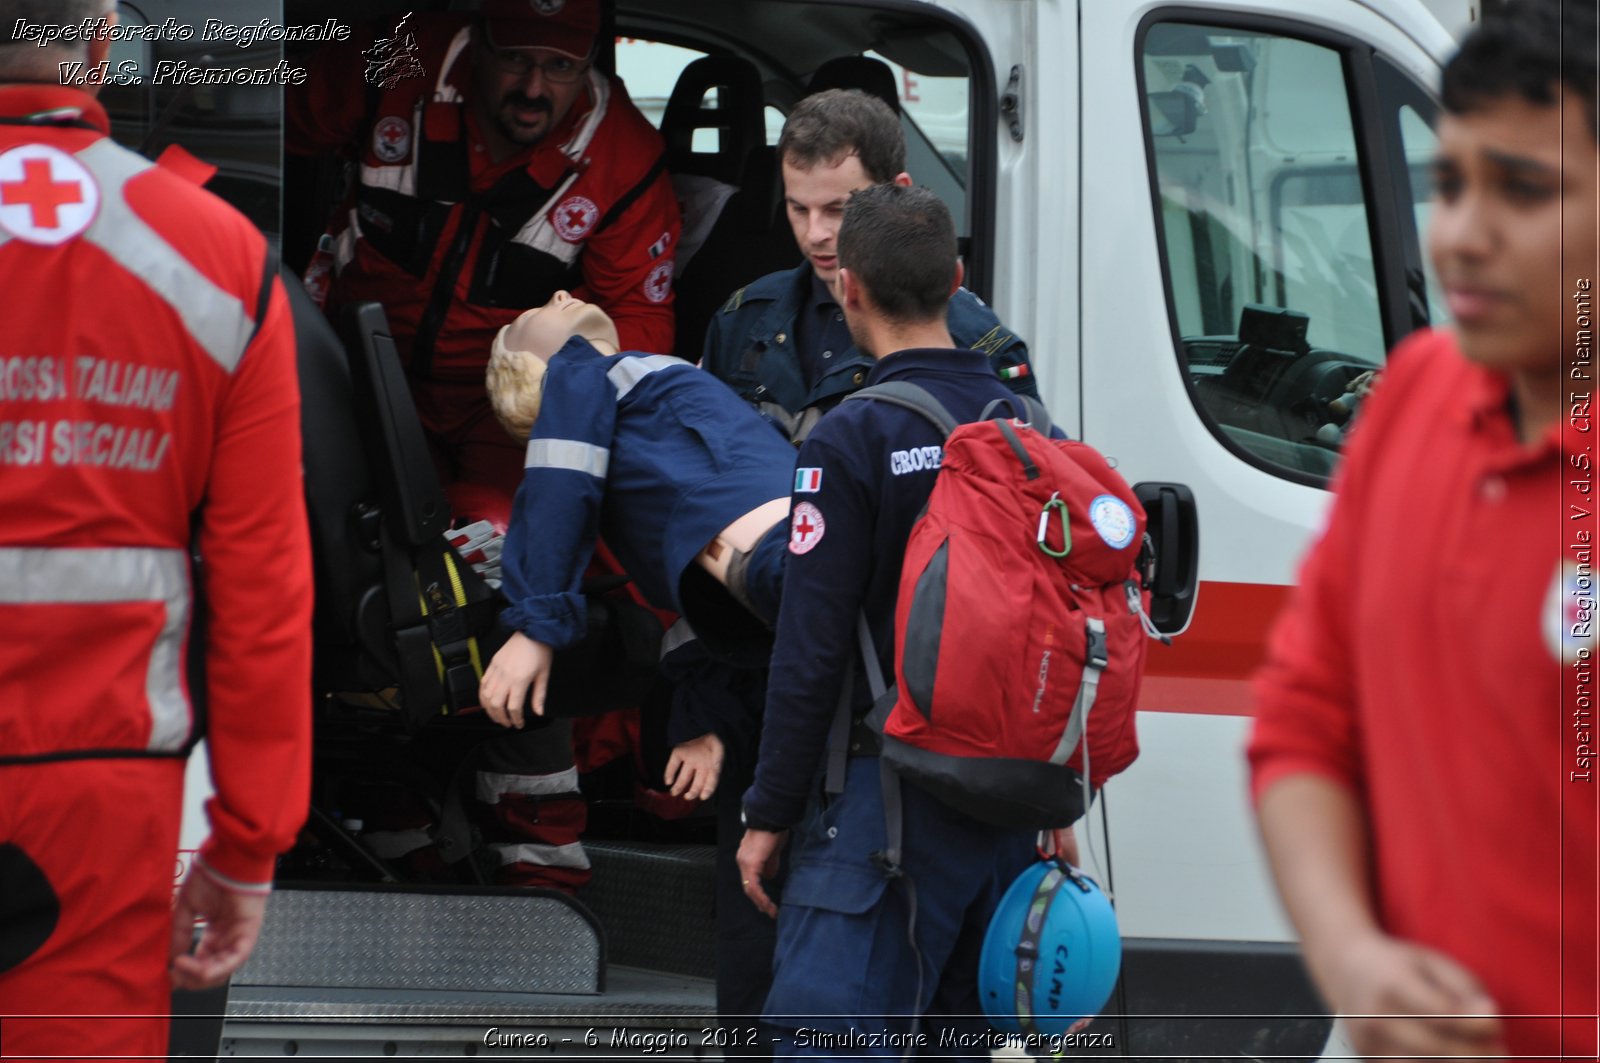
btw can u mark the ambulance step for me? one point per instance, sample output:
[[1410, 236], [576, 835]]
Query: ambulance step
[[656, 903], [640, 1012], [632, 998], [388, 938]]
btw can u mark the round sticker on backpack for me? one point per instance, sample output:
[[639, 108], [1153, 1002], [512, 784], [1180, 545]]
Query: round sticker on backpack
[[1113, 520]]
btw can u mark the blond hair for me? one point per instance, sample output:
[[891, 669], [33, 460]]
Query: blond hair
[[515, 381]]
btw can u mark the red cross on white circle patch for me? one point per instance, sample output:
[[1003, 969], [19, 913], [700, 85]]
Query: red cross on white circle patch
[[391, 139], [46, 196], [806, 528], [658, 282], [574, 217]]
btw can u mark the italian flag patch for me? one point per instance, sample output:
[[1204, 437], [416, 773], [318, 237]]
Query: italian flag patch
[[807, 481]]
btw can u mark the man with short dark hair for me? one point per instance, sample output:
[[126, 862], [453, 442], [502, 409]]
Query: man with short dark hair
[[781, 341], [1423, 713], [845, 961], [782, 344], [149, 414]]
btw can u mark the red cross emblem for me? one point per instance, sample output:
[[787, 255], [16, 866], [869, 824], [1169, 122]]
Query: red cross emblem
[[658, 282], [391, 139], [806, 528], [574, 217], [46, 195], [40, 193]]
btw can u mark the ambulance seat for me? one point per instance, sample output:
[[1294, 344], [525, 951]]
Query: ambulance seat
[[726, 194], [732, 87], [870, 75], [353, 651]]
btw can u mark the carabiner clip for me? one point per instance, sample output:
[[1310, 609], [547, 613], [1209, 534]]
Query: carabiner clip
[[1055, 503]]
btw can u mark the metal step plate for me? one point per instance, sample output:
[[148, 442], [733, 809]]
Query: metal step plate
[[656, 903], [523, 941]]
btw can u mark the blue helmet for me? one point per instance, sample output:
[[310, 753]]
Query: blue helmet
[[1052, 953]]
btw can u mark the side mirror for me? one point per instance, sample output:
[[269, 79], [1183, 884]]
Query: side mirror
[[1173, 524]]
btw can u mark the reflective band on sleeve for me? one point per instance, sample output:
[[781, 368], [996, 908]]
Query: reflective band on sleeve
[[401, 179], [679, 635], [231, 884], [627, 373], [218, 321], [569, 855], [50, 576], [492, 785], [568, 454]]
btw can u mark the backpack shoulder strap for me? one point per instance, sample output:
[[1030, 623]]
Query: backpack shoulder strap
[[1033, 410], [911, 397]]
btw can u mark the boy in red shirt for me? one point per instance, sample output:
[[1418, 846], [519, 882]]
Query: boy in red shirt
[[1423, 717]]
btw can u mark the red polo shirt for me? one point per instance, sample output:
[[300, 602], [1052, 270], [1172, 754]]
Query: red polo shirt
[[1419, 664]]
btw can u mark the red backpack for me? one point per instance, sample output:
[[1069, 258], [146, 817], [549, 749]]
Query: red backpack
[[1020, 624]]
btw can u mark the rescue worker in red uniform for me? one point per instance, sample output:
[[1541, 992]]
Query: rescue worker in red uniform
[[503, 169], [496, 167], [148, 409]]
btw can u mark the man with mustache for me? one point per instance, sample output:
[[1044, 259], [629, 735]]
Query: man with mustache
[[506, 168], [1423, 746]]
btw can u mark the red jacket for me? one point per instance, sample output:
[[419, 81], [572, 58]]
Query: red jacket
[[1419, 665], [589, 208], [148, 402]]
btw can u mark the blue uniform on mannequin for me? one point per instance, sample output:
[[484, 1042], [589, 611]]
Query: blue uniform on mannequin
[[849, 966], [687, 486]]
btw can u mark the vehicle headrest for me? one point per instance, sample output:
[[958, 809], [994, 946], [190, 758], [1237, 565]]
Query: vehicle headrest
[[735, 110], [872, 76]]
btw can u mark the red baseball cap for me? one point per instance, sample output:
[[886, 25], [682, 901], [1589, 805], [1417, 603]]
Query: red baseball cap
[[566, 26]]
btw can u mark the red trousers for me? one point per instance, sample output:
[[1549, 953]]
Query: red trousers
[[101, 838]]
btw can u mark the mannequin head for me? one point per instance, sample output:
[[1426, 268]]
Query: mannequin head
[[521, 351]]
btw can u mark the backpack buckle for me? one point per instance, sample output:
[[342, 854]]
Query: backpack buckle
[[1096, 656]]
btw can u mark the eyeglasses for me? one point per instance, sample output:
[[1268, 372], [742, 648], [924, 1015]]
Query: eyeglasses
[[558, 69]]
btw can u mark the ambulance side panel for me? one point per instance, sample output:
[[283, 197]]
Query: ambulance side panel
[[1295, 196]]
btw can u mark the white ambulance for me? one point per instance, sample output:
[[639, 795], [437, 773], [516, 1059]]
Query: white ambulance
[[1205, 219]]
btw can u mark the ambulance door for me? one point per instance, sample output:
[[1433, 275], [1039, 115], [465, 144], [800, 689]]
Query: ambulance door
[[1249, 249]]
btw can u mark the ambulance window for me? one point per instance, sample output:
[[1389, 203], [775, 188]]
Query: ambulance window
[[649, 69], [234, 126], [933, 107], [1266, 235], [1418, 143]]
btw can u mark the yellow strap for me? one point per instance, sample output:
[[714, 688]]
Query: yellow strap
[[461, 600]]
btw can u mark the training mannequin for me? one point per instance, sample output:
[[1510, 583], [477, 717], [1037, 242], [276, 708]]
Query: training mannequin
[[685, 482]]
